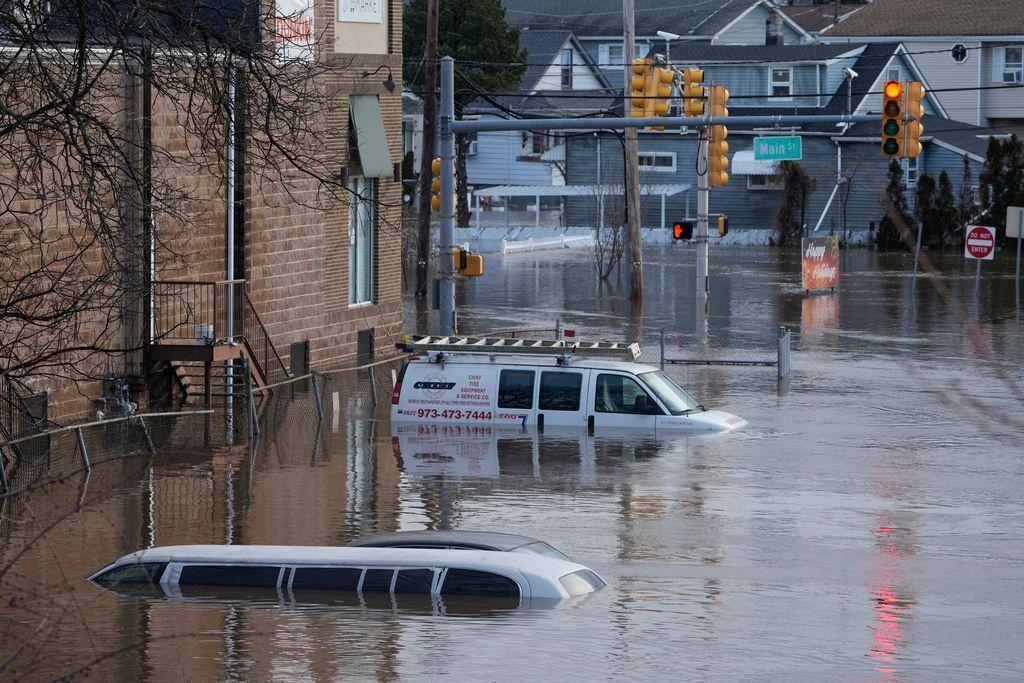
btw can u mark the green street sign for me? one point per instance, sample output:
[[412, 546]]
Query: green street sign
[[789, 148]]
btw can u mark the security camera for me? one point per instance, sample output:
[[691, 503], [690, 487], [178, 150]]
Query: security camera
[[850, 73], [665, 35]]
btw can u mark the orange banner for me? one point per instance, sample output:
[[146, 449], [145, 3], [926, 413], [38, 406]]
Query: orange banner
[[819, 258]]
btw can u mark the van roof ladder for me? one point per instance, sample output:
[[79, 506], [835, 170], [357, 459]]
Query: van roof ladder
[[619, 350]]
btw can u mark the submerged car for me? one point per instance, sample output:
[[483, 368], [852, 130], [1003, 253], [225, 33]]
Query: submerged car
[[460, 540], [432, 571]]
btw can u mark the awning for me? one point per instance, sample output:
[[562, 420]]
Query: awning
[[667, 190], [370, 137], [744, 163]]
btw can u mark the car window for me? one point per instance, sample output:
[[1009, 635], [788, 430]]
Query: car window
[[540, 548], [621, 394], [515, 389], [414, 580], [137, 572], [560, 390], [327, 578], [582, 582], [378, 579], [473, 582], [229, 575]]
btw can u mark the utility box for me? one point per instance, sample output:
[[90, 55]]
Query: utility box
[[474, 265]]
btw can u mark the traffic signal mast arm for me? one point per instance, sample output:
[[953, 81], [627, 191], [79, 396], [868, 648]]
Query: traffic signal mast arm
[[614, 123]]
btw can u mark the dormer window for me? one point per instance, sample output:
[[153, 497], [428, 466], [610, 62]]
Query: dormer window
[[781, 84], [567, 68]]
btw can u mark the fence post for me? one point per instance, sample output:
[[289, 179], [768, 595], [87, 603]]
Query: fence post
[[373, 387], [145, 435], [254, 422], [3, 471], [782, 353], [661, 341], [558, 329], [316, 395], [82, 449]]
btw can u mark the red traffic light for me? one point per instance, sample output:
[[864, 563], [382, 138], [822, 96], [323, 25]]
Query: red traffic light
[[682, 230], [893, 90]]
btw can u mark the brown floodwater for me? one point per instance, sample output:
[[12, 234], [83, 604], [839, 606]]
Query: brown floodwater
[[868, 522]]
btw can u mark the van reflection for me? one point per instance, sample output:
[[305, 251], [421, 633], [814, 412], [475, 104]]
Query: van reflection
[[405, 603], [487, 451]]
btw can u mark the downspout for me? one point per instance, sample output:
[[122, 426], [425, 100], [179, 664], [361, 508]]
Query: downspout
[[981, 55], [149, 232], [230, 245]]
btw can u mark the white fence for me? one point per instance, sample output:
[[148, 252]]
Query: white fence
[[544, 243]]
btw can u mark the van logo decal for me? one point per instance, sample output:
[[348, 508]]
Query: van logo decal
[[434, 385]]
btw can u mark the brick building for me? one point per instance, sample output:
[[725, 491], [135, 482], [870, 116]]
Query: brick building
[[322, 278]]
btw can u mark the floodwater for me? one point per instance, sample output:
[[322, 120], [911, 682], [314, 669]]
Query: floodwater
[[867, 524]]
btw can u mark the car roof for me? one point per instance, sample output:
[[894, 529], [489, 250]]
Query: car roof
[[490, 539], [350, 556]]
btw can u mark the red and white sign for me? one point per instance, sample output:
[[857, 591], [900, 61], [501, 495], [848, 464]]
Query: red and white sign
[[980, 243]]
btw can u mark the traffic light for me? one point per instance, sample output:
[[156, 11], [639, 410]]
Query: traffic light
[[435, 183], [914, 93], [723, 225], [682, 230], [469, 264], [638, 92], [719, 98], [892, 119], [718, 162], [694, 92], [658, 92]]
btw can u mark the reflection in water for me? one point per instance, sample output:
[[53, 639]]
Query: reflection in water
[[863, 497]]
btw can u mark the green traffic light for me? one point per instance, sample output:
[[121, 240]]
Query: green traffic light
[[891, 147], [891, 127]]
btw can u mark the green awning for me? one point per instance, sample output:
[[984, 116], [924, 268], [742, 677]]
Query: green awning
[[370, 137]]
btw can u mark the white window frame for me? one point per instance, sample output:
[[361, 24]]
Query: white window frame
[[362, 219], [604, 55], [771, 183], [772, 83], [1013, 69], [566, 70], [653, 168], [893, 73], [911, 165]]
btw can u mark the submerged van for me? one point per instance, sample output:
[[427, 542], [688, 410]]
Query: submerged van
[[596, 385]]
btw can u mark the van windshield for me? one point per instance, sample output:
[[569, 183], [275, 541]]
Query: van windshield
[[673, 396]]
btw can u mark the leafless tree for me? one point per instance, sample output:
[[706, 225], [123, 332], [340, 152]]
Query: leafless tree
[[609, 217]]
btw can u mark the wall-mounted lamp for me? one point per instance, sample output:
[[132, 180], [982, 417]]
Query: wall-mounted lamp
[[389, 84]]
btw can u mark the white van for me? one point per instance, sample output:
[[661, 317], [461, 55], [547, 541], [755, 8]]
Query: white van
[[483, 381]]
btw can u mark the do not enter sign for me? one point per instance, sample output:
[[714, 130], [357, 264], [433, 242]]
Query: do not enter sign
[[981, 242]]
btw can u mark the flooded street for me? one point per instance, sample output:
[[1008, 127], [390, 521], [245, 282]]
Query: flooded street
[[868, 523]]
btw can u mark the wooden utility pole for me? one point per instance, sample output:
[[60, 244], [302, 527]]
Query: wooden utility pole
[[632, 171], [427, 149]]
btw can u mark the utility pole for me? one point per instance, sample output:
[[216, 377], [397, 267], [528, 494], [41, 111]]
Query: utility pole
[[701, 284], [632, 170], [427, 149], [446, 250]]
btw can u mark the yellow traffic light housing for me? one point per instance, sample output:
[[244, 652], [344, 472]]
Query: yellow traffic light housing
[[638, 91], [723, 225], [659, 91], [718, 162], [913, 129], [694, 92], [892, 119], [435, 183], [719, 98], [469, 264]]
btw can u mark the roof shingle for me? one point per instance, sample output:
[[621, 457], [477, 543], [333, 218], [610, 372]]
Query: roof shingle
[[933, 18]]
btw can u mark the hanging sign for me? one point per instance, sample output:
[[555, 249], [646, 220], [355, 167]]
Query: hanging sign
[[819, 259]]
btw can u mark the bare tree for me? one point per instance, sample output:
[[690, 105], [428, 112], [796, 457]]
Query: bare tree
[[609, 216]]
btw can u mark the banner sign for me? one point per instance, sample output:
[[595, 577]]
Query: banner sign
[[819, 258], [361, 11], [293, 30]]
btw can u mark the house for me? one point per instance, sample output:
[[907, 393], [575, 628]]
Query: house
[[310, 280], [804, 79], [971, 54]]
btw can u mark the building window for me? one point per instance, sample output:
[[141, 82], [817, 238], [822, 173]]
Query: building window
[[764, 182], [1013, 65], [958, 53], [567, 68], [540, 143], [893, 73], [361, 219], [910, 171], [659, 162], [781, 83], [610, 54]]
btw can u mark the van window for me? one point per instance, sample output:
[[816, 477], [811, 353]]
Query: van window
[[327, 578], [414, 580], [137, 572], [378, 579], [473, 582], [582, 582], [515, 389], [621, 394], [560, 390], [229, 575]]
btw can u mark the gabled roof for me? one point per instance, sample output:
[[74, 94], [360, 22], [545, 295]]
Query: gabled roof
[[604, 17], [701, 53], [543, 47], [897, 18], [814, 18]]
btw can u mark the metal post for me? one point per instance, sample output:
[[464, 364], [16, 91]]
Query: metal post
[[917, 251], [701, 285], [145, 435], [82, 449], [662, 344], [4, 485], [977, 279], [1016, 273], [253, 418], [373, 388], [316, 396], [558, 329], [782, 353], [446, 272], [230, 240]]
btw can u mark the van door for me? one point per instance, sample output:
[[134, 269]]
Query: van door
[[515, 403], [561, 398], [618, 401]]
